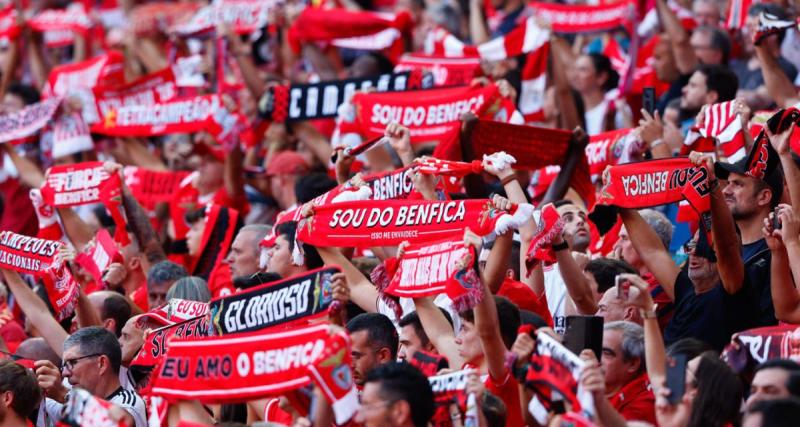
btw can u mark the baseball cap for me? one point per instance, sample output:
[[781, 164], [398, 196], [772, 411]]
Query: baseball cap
[[287, 163], [774, 179]]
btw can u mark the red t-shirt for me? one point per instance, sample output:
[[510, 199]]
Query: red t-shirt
[[139, 297], [635, 401], [508, 391]]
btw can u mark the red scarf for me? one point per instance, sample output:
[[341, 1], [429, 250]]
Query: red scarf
[[150, 187], [431, 115], [609, 148], [243, 16], [365, 224], [220, 223], [290, 302], [431, 269], [645, 184], [87, 183], [156, 342], [31, 255], [150, 18], [525, 38], [147, 90], [585, 19], [549, 226], [534, 84], [240, 367], [84, 409], [102, 70], [377, 30], [756, 346], [73, 18], [176, 310], [70, 136], [448, 389], [9, 30], [96, 257], [445, 71], [697, 193], [29, 120], [183, 115], [331, 372]]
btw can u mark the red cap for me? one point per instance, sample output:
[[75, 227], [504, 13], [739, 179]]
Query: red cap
[[519, 293], [287, 163]]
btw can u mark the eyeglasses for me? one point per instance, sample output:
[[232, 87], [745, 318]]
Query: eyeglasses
[[690, 246], [69, 364]]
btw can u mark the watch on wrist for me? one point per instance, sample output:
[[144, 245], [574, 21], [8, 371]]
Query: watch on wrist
[[561, 246], [649, 314]]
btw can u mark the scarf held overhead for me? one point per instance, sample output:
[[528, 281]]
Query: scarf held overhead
[[157, 341], [295, 300], [365, 224], [27, 121], [585, 19], [183, 115], [322, 100], [239, 367], [330, 25], [645, 184]]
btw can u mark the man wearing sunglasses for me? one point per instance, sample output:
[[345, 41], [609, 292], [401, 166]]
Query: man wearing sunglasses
[[91, 360]]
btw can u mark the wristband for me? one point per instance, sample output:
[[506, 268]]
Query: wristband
[[656, 143], [505, 181], [649, 314], [560, 247]]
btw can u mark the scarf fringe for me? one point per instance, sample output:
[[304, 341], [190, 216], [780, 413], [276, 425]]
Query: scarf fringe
[[473, 293], [381, 277], [522, 213]]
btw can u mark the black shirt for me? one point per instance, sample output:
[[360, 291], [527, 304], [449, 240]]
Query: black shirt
[[757, 258], [712, 316]]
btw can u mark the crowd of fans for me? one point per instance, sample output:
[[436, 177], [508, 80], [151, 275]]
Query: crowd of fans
[[696, 311]]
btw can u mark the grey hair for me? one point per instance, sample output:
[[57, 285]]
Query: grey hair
[[259, 231], [658, 222], [165, 271], [96, 340], [632, 340], [190, 288]]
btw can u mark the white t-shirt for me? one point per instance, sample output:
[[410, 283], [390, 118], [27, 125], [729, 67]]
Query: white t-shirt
[[407, 306], [596, 117], [556, 292]]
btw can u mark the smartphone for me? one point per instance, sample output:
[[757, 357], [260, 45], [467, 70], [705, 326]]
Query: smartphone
[[649, 100], [623, 288], [776, 220], [676, 377], [584, 332]]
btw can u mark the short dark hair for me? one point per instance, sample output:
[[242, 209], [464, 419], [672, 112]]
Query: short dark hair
[[380, 331], [413, 320], [401, 381], [720, 80], [23, 384], [780, 412], [602, 64], [605, 271], [165, 271], [508, 318], [28, 94], [116, 307], [97, 340], [288, 230], [785, 364], [313, 185]]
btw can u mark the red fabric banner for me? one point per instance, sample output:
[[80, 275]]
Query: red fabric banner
[[585, 19], [98, 255], [73, 18], [83, 409], [150, 187], [431, 115], [427, 269], [533, 147], [316, 24], [177, 310], [27, 121], [9, 29], [103, 70], [645, 184], [183, 115], [156, 342], [756, 346], [332, 373], [147, 90], [243, 16], [446, 71], [365, 224], [151, 18], [238, 368]]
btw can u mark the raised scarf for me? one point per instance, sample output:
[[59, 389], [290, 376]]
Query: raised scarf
[[102, 70], [182, 115], [294, 301], [29, 120], [534, 85], [84, 409], [240, 367], [365, 224], [153, 18], [176, 310], [86, 183], [221, 226], [525, 38], [549, 225], [430, 269], [70, 135], [756, 346], [330, 25], [9, 30], [448, 389], [585, 19], [31, 255], [242, 16], [156, 342], [150, 89], [611, 148], [645, 184], [445, 71], [331, 371], [762, 159], [283, 103], [73, 18], [430, 115], [150, 187], [98, 255]]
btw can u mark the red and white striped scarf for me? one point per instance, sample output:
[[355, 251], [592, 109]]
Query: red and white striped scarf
[[723, 123], [737, 14], [534, 85], [523, 39]]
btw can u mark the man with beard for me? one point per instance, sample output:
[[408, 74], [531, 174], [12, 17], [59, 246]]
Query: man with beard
[[712, 297], [750, 201], [567, 290]]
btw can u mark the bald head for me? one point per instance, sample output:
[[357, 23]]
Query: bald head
[[37, 349], [114, 309]]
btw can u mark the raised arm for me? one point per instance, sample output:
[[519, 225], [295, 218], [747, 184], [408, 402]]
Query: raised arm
[[362, 292], [438, 330], [651, 250], [723, 229], [791, 173], [685, 59], [654, 352], [779, 87], [785, 298], [477, 23], [36, 311], [568, 117]]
